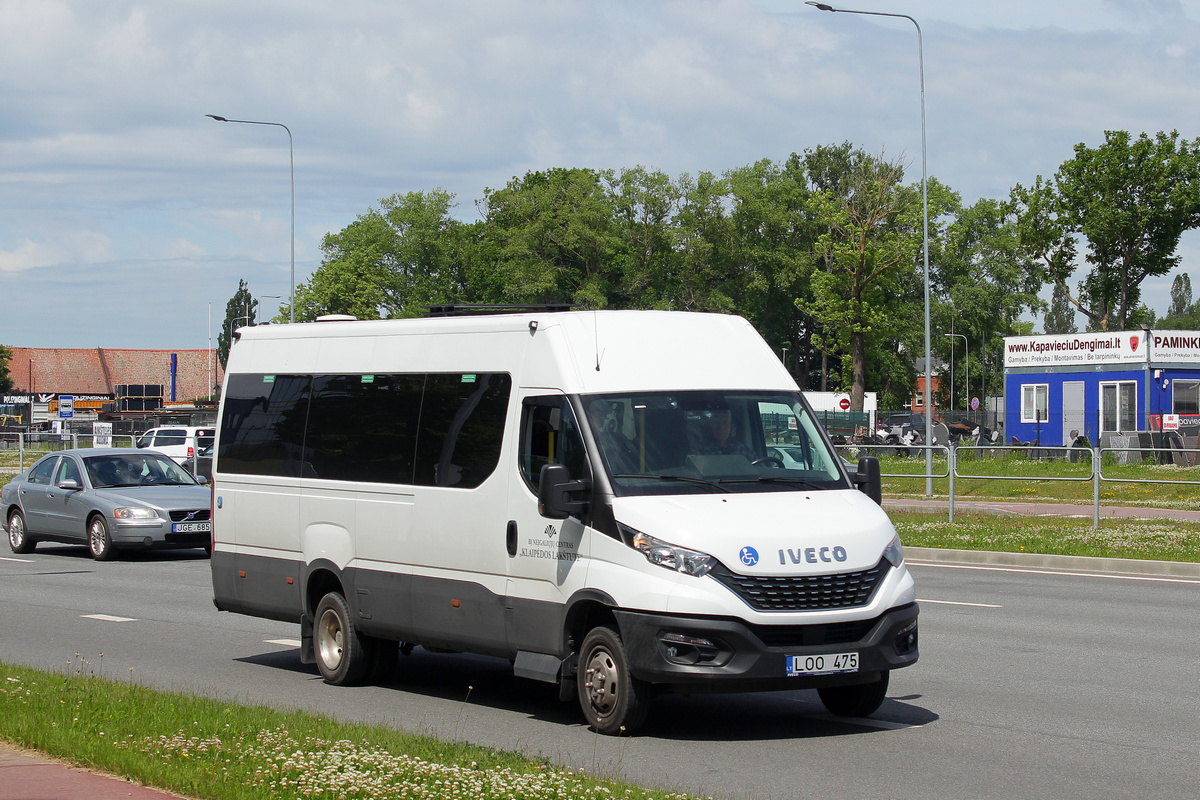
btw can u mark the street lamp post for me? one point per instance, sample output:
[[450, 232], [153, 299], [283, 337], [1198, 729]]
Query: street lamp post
[[292, 163], [966, 360], [924, 226]]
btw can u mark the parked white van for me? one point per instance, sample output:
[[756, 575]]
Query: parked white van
[[587, 494], [179, 442]]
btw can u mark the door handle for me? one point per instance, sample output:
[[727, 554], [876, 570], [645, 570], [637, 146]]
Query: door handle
[[510, 539]]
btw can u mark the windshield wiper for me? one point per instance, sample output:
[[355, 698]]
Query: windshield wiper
[[682, 478], [774, 479]]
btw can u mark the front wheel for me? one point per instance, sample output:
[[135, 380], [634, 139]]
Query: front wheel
[[343, 654], [613, 700], [100, 543], [18, 536], [859, 700]]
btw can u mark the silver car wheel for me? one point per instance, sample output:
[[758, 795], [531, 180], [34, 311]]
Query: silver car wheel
[[18, 539], [99, 542]]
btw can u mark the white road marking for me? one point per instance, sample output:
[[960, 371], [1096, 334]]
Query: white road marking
[[107, 618], [284, 642], [18, 560], [1035, 571], [957, 603]]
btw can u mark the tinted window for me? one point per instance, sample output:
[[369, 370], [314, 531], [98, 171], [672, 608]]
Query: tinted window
[[364, 427], [262, 423], [68, 470], [205, 438], [461, 428], [167, 438], [550, 435], [43, 470]]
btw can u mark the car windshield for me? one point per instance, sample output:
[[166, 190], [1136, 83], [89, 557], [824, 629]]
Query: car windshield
[[135, 469], [710, 441]]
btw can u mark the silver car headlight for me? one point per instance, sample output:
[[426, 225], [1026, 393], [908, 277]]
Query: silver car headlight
[[135, 513], [665, 554], [894, 552]]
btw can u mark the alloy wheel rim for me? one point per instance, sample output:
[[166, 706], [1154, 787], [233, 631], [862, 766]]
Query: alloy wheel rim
[[330, 640]]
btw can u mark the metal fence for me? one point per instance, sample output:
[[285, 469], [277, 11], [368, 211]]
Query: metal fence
[[975, 457], [19, 450]]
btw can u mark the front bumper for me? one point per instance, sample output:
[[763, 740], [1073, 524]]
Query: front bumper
[[728, 655], [154, 534]]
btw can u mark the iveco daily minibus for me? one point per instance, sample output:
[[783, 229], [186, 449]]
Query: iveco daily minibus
[[618, 502]]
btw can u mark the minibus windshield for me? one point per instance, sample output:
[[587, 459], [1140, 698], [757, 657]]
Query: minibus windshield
[[711, 441]]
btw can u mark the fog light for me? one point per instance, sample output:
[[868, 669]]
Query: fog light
[[680, 648], [906, 639]]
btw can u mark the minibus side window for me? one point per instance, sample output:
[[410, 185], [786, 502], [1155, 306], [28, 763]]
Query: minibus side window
[[550, 435], [364, 427], [262, 425], [461, 428]]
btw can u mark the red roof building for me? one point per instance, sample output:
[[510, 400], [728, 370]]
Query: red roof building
[[100, 371]]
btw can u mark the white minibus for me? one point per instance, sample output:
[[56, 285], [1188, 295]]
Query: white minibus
[[589, 495]]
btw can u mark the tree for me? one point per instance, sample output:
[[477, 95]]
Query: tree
[[392, 260], [868, 244], [6, 383], [239, 311], [1131, 200], [1181, 295], [1060, 316], [552, 237]]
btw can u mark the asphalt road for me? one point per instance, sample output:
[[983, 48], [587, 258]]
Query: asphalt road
[[1031, 684]]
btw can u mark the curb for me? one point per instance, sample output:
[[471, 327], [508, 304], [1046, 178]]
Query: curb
[[1115, 566]]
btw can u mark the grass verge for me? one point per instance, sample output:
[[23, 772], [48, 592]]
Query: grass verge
[[215, 750], [1069, 536]]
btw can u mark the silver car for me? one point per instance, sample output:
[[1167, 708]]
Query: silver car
[[109, 499]]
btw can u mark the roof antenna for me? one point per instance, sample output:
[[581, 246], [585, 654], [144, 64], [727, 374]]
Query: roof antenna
[[596, 331]]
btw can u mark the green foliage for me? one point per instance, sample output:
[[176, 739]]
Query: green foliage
[[1131, 200], [1060, 316], [240, 310], [6, 383]]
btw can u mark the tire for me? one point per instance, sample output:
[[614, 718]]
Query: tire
[[100, 543], [18, 536], [612, 699], [343, 654], [859, 700]]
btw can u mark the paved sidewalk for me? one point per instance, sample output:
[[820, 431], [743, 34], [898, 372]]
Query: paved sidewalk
[[1019, 508], [26, 775]]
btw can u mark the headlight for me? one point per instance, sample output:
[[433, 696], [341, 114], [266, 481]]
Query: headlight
[[135, 513], [680, 559], [894, 553]]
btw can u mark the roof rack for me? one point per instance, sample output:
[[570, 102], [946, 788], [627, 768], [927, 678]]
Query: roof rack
[[470, 310]]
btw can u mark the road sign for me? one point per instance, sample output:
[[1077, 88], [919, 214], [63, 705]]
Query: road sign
[[844, 404], [66, 406], [974, 403]]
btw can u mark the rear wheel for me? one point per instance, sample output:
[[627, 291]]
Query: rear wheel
[[613, 701], [18, 536], [859, 700], [100, 543], [343, 654]]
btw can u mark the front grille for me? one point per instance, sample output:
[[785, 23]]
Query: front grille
[[804, 592], [813, 635], [200, 515]]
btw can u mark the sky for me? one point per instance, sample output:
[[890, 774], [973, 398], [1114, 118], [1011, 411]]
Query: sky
[[127, 217]]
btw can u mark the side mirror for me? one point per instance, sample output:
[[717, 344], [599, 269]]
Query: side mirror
[[70, 484], [555, 488], [867, 478]]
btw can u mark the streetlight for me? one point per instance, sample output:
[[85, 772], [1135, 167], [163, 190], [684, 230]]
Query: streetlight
[[966, 360], [292, 162], [925, 226]]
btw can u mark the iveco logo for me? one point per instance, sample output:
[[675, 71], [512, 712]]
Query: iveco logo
[[749, 556], [813, 555]]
